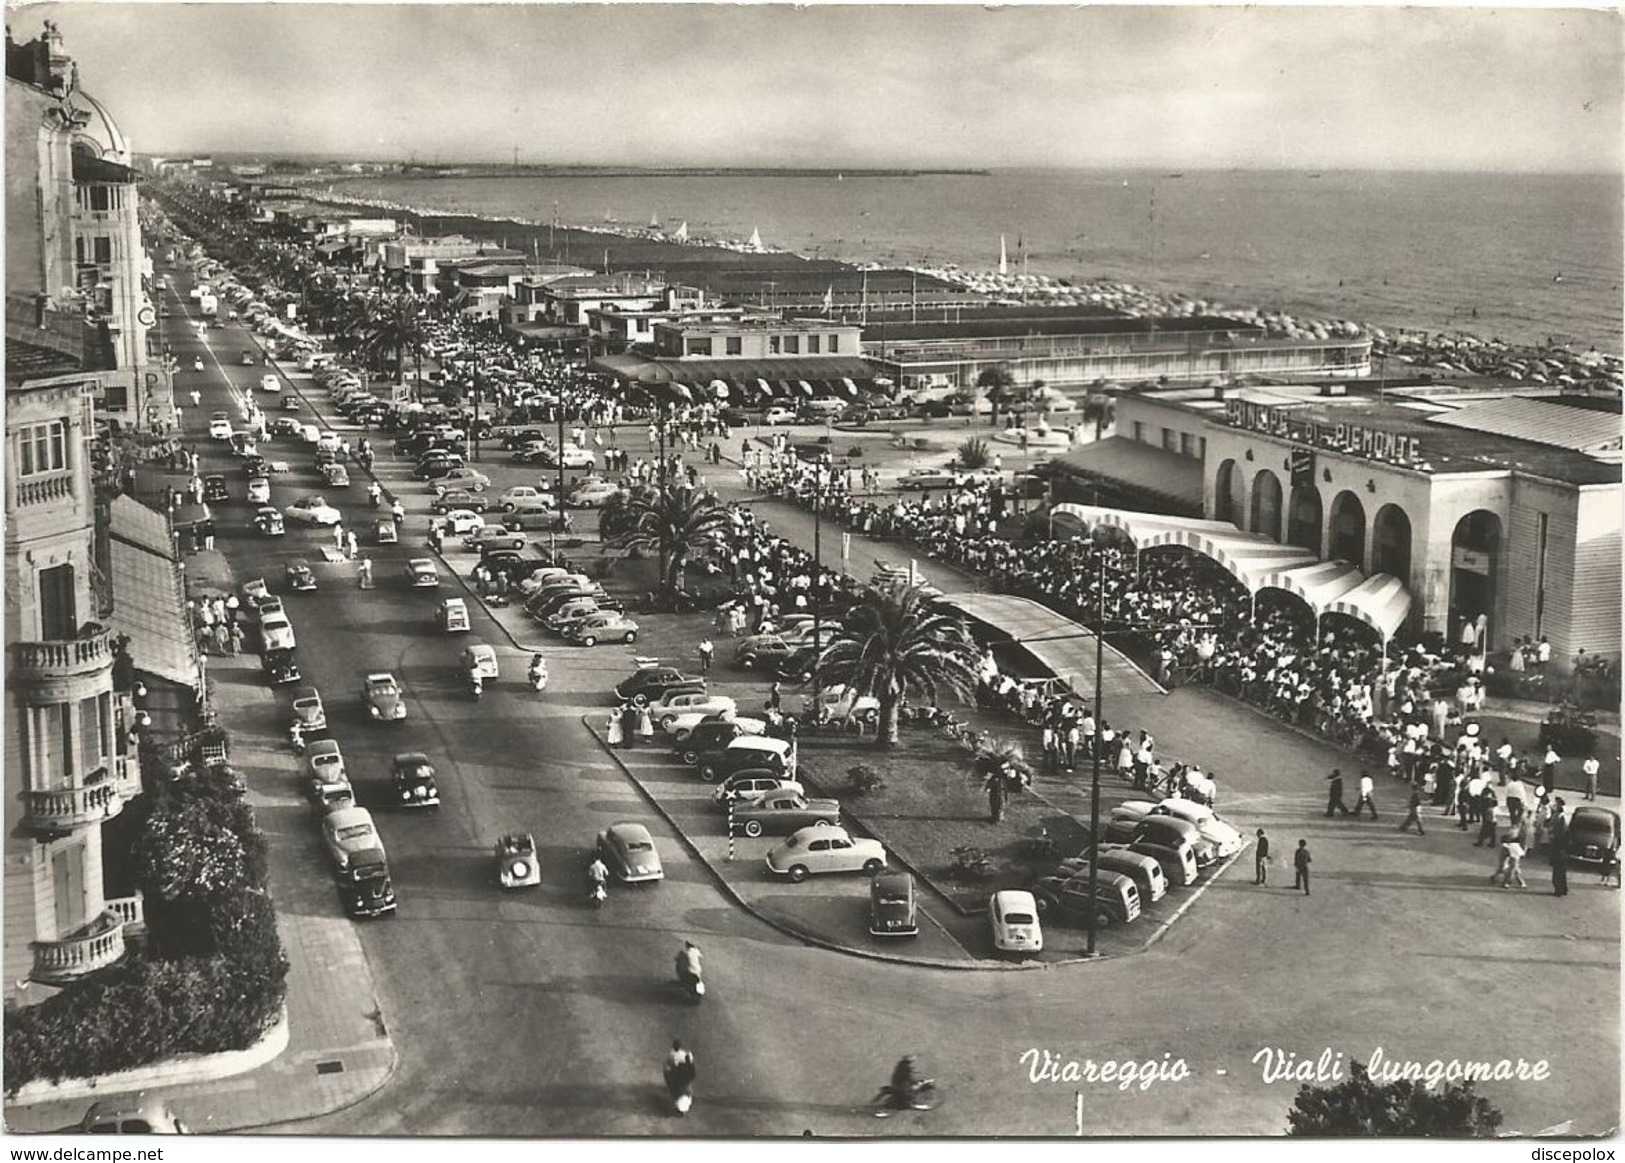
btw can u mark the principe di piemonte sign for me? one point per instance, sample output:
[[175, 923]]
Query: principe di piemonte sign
[[1350, 439]]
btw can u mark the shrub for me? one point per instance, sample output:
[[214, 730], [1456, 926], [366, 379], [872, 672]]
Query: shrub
[[855, 452], [973, 453], [863, 779], [971, 863]]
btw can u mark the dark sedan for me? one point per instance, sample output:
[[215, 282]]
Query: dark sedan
[[1594, 836]]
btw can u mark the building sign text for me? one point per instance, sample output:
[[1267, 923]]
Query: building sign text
[[1351, 439]]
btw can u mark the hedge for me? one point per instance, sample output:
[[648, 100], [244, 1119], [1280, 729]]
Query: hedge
[[214, 977]]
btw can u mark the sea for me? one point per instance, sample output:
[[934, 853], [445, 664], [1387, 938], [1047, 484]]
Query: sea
[[1526, 258]]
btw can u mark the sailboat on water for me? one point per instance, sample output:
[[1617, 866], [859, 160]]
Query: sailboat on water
[[654, 222], [755, 243], [682, 232], [1004, 258]]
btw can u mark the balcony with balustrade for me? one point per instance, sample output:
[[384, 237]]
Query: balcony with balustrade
[[91, 948], [63, 670], [59, 811]]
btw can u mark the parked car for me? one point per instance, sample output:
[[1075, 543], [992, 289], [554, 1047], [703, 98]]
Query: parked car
[[219, 428], [493, 537], [892, 908], [413, 777], [749, 786], [269, 522], [782, 812], [511, 497], [825, 849], [1594, 835], [534, 514], [745, 752], [629, 851], [1013, 917], [570, 613], [779, 415], [347, 833], [324, 768], [605, 626], [465, 479], [1116, 897], [453, 499], [759, 649], [421, 573], [1168, 830], [592, 494], [276, 632], [672, 705], [1144, 870], [480, 655], [313, 510], [259, 491], [280, 667], [650, 682], [712, 734], [837, 702], [214, 489], [286, 425], [928, 478], [1226, 838], [462, 522], [381, 695], [308, 711], [518, 864]]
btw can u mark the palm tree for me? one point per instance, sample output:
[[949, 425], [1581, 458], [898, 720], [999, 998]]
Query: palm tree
[[1000, 768], [393, 330], [996, 382], [894, 643], [677, 523]]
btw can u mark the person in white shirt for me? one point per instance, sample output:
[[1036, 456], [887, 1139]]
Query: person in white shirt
[[1367, 788], [1591, 767]]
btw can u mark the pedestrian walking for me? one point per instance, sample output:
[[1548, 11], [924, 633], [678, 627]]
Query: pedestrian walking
[[1367, 787], [1486, 818], [774, 698], [613, 730], [1557, 839], [1515, 795], [1261, 857], [1300, 864], [1334, 793], [352, 547], [338, 536], [1591, 767], [236, 634], [208, 535], [706, 651], [366, 573], [1414, 816], [197, 398], [222, 637]]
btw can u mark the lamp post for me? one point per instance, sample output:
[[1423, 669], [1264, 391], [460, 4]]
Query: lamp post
[[1094, 767], [818, 565]]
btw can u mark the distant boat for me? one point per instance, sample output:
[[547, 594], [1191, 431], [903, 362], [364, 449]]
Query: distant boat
[[654, 222], [840, 177], [1174, 175], [682, 232], [1004, 259], [1558, 277], [756, 241]]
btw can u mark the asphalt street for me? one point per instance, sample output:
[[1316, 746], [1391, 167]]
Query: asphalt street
[[527, 1013]]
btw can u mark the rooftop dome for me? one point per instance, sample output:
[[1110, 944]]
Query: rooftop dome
[[100, 135]]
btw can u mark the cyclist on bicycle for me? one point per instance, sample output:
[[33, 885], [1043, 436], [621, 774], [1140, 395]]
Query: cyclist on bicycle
[[905, 1083]]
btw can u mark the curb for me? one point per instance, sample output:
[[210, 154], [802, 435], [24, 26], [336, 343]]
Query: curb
[[171, 1072], [977, 965]]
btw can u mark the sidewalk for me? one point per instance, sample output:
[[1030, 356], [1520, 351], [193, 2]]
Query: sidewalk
[[339, 1050]]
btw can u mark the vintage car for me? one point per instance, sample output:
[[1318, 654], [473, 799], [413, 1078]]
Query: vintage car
[[269, 521], [606, 626], [780, 813], [349, 832], [413, 777], [1116, 898], [1594, 835], [276, 632], [823, 848], [338, 477], [381, 695], [892, 908], [308, 711], [366, 890], [385, 531], [928, 478], [327, 785], [511, 498], [461, 522], [1226, 838], [259, 491], [629, 851], [749, 786], [1144, 870], [592, 494], [286, 425], [574, 456], [571, 612], [458, 499], [777, 415], [291, 403], [463, 479], [421, 573], [247, 358], [280, 667], [838, 703], [1013, 917], [313, 510], [673, 705], [746, 751], [761, 649], [480, 655], [711, 733], [133, 1115], [299, 576], [214, 489], [220, 428], [650, 682], [452, 616], [493, 537], [518, 864]]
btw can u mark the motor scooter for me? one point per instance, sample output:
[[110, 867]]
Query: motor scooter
[[476, 685], [296, 739], [597, 894], [693, 984], [538, 678]]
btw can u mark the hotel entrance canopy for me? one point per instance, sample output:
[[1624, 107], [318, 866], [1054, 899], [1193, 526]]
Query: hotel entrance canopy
[[1381, 601]]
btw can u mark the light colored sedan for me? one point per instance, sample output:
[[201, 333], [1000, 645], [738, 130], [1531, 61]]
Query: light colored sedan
[[819, 849], [782, 811], [461, 522], [259, 491], [592, 494], [1226, 837], [313, 511], [602, 627], [277, 632]]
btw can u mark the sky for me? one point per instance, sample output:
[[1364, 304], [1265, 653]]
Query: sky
[[855, 85]]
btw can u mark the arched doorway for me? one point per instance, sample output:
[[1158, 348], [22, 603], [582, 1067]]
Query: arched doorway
[[1227, 496], [1391, 543], [1347, 529], [1303, 518], [1266, 514], [1475, 560]]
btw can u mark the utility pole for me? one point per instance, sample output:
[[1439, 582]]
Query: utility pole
[[1094, 776]]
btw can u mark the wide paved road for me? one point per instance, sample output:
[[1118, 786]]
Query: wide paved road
[[530, 1014]]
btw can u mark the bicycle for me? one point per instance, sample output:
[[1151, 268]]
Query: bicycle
[[926, 1097]]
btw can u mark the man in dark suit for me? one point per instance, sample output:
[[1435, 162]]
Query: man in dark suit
[[1261, 857], [1557, 839], [1334, 794], [1300, 861]]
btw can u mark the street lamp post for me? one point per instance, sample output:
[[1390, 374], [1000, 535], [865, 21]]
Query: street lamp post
[[818, 566], [1094, 768]]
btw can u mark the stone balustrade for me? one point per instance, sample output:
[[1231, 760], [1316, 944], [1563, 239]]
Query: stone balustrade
[[64, 809], [130, 910], [61, 658], [41, 491], [94, 947]]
